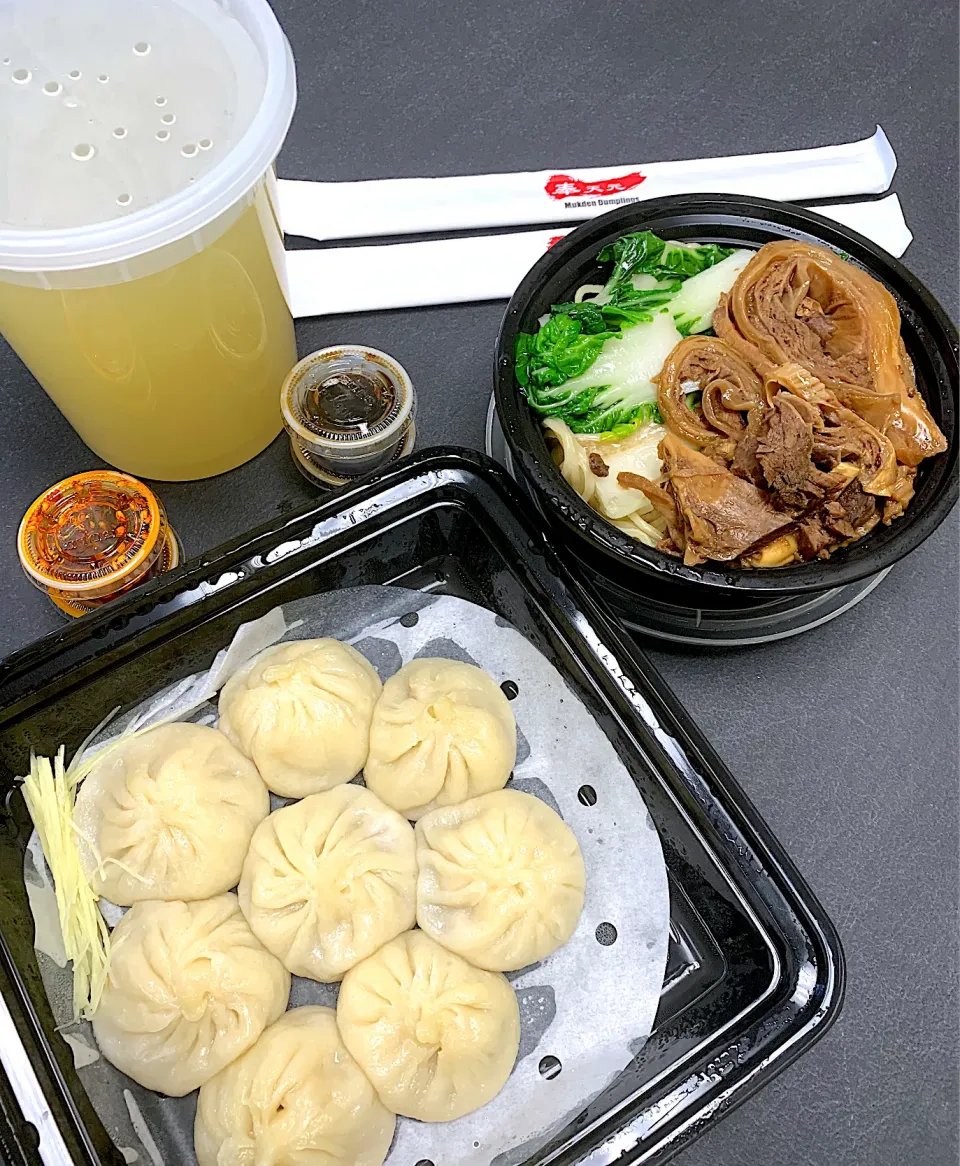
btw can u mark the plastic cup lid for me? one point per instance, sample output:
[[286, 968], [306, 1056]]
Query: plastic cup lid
[[91, 533], [350, 439], [133, 124]]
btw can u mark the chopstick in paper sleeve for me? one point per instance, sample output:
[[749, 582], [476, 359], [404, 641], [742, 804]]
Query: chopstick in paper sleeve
[[405, 206], [336, 280]]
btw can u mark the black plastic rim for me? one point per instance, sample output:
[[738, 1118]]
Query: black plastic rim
[[928, 333]]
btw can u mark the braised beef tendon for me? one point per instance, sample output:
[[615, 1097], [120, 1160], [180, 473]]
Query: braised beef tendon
[[807, 399], [805, 475], [728, 385], [784, 453], [795, 302], [840, 433]]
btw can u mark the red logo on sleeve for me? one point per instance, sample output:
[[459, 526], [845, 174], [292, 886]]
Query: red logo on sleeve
[[562, 186], [553, 239]]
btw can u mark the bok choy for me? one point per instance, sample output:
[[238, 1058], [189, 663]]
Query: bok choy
[[592, 364]]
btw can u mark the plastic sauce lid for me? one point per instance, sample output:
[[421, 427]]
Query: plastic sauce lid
[[347, 402], [92, 536], [170, 555]]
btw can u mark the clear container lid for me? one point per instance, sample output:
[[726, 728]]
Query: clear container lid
[[348, 401], [130, 124], [92, 535]]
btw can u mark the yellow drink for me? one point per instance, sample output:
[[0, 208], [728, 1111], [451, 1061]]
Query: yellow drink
[[176, 374]]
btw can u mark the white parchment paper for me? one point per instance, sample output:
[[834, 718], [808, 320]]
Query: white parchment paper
[[584, 1010]]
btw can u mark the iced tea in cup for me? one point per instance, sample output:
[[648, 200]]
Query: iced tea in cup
[[141, 260]]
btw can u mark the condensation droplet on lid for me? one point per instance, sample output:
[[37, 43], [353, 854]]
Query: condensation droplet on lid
[[120, 132], [83, 152], [71, 102], [103, 78], [141, 48], [163, 135], [188, 151], [6, 60], [205, 143], [124, 199], [74, 74], [168, 119], [159, 101], [52, 88], [22, 76]]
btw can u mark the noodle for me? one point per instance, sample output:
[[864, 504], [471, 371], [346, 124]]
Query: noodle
[[572, 463], [629, 510]]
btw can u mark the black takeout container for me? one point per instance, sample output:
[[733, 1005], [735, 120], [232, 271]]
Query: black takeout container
[[624, 567], [755, 969]]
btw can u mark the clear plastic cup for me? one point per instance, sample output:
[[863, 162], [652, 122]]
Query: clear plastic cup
[[349, 410], [141, 259]]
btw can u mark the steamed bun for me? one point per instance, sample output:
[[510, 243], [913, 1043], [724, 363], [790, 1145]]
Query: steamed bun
[[501, 879], [297, 1098], [177, 807], [328, 880], [436, 1037], [442, 732], [189, 988], [301, 712]]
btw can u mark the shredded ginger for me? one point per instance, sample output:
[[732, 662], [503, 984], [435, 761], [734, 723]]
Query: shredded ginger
[[50, 791]]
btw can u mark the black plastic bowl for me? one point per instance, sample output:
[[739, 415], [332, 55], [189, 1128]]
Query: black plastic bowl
[[929, 335]]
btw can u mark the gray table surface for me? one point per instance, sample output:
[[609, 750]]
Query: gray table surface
[[846, 738]]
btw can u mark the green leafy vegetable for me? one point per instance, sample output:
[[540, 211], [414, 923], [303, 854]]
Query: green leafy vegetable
[[613, 410], [631, 307], [645, 253], [693, 305], [591, 317], [648, 273], [647, 413], [563, 348]]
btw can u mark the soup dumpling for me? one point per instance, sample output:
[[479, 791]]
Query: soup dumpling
[[436, 1036], [442, 732], [170, 812], [189, 988], [301, 712], [297, 1096], [501, 879], [330, 879]]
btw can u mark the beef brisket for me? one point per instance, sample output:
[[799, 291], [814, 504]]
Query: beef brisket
[[723, 516]]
